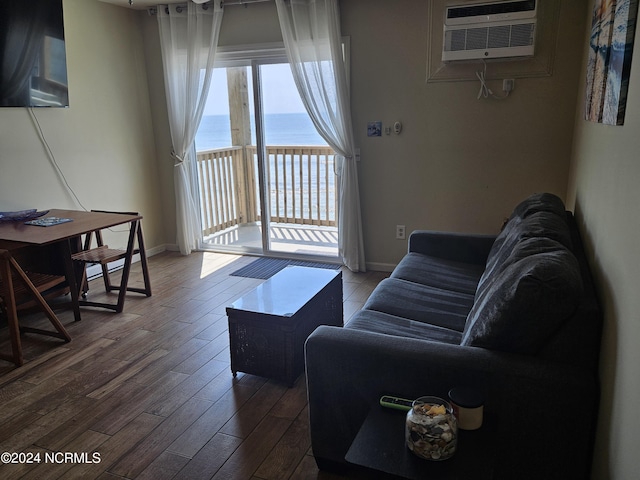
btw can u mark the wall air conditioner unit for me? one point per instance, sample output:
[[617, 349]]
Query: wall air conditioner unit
[[489, 30]]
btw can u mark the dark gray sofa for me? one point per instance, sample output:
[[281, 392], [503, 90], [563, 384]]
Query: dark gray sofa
[[514, 316]]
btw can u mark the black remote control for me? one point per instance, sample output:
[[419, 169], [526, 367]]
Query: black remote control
[[397, 403]]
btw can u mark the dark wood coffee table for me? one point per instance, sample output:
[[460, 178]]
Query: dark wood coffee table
[[380, 446], [269, 325]]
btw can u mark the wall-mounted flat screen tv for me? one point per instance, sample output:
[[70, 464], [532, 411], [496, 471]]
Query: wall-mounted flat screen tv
[[33, 61]]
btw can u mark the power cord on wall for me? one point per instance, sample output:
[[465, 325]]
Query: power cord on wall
[[54, 162], [52, 157], [485, 91]]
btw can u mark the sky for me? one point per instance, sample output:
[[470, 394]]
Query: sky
[[279, 91]]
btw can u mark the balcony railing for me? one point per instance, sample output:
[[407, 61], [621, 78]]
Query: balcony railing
[[301, 186]]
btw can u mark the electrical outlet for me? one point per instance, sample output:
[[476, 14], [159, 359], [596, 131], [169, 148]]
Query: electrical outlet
[[508, 84], [400, 232]]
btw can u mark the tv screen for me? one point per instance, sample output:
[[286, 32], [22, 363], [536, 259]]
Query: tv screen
[[32, 54]]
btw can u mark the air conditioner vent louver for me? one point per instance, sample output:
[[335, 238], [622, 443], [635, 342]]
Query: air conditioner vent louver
[[522, 35], [499, 37], [505, 36], [495, 30]]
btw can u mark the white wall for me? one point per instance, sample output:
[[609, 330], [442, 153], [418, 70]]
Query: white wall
[[103, 143], [604, 189], [460, 163]]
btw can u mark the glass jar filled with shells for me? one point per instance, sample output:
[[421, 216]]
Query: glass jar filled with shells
[[431, 428]]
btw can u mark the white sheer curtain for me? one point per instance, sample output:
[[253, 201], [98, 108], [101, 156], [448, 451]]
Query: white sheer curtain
[[188, 38], [311, 32]]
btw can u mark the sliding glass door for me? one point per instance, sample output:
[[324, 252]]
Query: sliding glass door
[[267, 180]]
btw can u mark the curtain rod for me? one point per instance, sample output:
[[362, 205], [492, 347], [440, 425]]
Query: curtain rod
[[241, 2], [154, 10]]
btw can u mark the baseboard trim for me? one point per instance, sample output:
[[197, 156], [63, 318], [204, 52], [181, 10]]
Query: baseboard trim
[[380, 267]]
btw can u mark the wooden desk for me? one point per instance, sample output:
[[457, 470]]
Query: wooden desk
[[83, 222], [16, 236]]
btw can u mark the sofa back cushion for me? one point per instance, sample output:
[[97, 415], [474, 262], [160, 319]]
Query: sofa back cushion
[[539, 215], [536, 225], [519, 308], [539, 202]]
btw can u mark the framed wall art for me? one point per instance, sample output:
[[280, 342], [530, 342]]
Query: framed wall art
[[609, 65]]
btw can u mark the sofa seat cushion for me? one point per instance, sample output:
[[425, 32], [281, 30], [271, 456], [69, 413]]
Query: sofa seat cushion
[[421, 303], [522, 306], [378, 322], [438, 272]]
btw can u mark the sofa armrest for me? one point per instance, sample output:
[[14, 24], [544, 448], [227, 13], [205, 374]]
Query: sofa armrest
[[542, 410], [468, 248]]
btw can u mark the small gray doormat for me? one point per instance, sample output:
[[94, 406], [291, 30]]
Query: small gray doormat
[[265, 267]]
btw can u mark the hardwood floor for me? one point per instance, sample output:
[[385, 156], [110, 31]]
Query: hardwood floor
[[148, 393]]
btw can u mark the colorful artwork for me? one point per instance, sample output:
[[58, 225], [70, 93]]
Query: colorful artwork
[[611, 47]]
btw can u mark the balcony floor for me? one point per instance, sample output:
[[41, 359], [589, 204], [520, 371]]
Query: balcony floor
[[285, 238]]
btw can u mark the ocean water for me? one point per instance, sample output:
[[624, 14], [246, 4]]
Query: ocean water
[[280, 129]]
